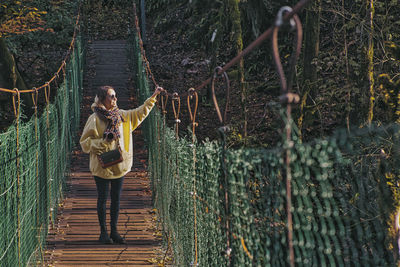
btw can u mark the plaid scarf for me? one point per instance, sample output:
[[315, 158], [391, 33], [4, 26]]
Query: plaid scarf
[[114, 119]]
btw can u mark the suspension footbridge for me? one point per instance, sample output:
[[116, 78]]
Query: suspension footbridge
[[330, 202]]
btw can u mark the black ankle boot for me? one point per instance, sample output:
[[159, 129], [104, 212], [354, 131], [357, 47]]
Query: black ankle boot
[[117, 238], [104, 238]]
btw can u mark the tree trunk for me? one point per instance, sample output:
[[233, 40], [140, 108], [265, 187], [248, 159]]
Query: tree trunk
[[214, 46], [371, 63], [234, 11], [311, 51], [311, 41], [10, 77]]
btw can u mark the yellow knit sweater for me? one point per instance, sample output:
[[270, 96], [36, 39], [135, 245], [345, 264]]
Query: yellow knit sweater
[[92, 141]]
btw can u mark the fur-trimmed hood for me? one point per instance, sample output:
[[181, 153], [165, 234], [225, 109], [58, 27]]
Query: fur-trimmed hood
[[97, 103]]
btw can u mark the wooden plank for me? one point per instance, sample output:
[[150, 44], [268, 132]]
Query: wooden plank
[[73, 239]]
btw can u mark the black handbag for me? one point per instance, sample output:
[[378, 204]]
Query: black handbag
[[110, 158]]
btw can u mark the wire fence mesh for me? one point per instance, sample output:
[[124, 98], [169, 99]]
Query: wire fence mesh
[[221, 207], [34, 161]]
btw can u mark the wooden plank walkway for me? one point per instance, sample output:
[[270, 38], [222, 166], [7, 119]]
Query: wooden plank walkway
[[73, 241]]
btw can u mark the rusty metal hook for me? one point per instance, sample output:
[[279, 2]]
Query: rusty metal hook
[[286, 85], [279, 17], [175, 97], [163, 96], [227, 89], [192, 93]]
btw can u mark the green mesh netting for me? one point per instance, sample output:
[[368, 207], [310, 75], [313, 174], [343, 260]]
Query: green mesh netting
[[345, 191], [33, 173]]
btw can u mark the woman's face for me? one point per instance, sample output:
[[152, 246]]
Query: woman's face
[[111, 99]]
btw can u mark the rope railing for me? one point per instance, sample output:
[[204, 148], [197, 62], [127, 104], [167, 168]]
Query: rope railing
[[232, 207], [34, 160]]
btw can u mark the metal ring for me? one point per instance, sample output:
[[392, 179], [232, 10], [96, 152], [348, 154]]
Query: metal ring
[[279, 18], [191, 92]]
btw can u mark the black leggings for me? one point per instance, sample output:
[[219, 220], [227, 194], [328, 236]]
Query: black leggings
[[102, 192]]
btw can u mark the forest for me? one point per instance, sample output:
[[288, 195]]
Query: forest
[[346, 75], [341, 155]]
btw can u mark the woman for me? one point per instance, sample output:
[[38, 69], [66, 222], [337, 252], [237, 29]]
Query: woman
[[106, 129]]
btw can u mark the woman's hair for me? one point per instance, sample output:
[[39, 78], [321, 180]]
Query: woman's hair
[[102, 92]]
